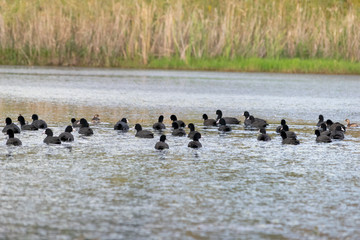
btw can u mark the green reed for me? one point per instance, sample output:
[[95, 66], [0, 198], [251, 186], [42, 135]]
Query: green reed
[[144, 33]]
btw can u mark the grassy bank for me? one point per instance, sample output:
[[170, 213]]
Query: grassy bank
[[243, 35], [293, 65]]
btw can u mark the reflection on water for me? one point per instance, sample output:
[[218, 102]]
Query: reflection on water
[[113, 185]]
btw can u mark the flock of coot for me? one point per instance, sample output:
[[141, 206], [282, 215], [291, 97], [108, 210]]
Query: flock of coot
[[325, 133]]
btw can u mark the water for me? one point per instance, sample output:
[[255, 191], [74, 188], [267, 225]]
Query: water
[[115, 186]]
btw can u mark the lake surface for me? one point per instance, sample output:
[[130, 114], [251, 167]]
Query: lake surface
[[115, 186]]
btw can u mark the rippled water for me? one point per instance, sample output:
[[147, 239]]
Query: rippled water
[[113, 185]]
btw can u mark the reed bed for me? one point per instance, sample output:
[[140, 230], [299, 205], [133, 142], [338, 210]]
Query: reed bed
[[110, 33]]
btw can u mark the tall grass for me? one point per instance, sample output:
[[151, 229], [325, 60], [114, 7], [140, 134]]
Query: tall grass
[[107, 33]]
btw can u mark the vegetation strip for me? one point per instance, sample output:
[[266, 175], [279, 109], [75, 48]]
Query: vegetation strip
[[262, 35]]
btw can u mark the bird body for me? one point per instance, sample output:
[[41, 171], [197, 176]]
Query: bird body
[[85, 129], [159, 125], [337, 133], [322, 138], [179, 122], [263, 136], [38, 123], [223, 127], [289, 134], [282, 123], [161, 145], [192, 131], [75, 123], [50, 139], [321, 120], [122, 125], [208, 122], [12, 141], [286, 140], [10, 125], [67, 136], [96, 119], [332, 126], [251, 122], [24, 126], [195, 143], [142, 133], [178, 132], [350, 124], [228, 120]]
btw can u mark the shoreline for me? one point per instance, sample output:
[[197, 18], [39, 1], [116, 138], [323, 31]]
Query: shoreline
[[251, 65]]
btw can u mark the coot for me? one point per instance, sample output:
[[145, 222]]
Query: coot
[[50, 139], [10, 125], [223, 127], [25, 126], [122, 125], [195, 143], [159, 125], [161, 145], [142, 133], [263, 136], [38, 123], [286, 140], [178, 132], [85, 129], [208, 122], [12, 140], [192, 131], [228, 120], [179, 122], [67, 136]]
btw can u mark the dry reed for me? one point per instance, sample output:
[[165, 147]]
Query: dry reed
[[100, 33]]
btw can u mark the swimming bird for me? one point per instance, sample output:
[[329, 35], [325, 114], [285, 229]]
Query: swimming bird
[[256, 123], [50, 139], [263, 136], [159, 125], [142, 133], [323, 130], [351, 124], [192, 131], [251, 122], [332, 126], [195, 143], [178, 132], [337, 133], [321, 120], [25, 126], [228, 120], [286, 140], [85, 129], [322, 138], [75, 123], [179, 122], [161, 145], [38, 123], [67, 136], [96, 119], [122, 125], [10, 125], [12, 140], [223, 127], [208, 122], [282, 123], [289, 134]]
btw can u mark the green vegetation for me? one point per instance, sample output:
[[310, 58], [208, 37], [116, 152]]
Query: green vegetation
[[291, 65], [231, 35]]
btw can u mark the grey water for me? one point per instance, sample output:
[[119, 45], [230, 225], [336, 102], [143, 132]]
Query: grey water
[[115, 186]]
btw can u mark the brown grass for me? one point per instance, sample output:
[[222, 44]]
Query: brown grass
[[99, 33]]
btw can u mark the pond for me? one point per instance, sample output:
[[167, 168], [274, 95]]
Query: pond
[[114, 186]]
